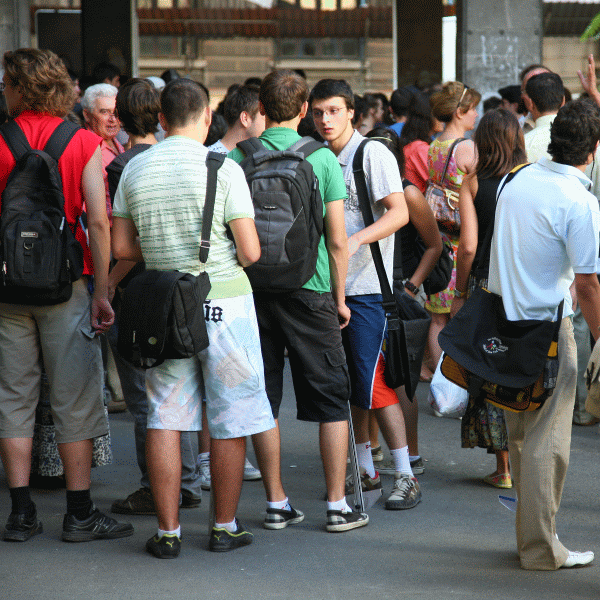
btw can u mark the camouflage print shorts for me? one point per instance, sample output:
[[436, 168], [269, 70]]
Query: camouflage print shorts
[[230, 371]]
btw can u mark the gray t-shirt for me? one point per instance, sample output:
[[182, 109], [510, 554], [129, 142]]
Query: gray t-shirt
[[383, 178]]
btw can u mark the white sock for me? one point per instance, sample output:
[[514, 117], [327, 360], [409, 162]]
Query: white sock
[[284, 504], [203, 457], [339, 505], [365, 458], [176, 532], [402, 461], [231, 527]]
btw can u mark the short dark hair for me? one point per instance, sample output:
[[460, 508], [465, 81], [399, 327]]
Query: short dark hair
[[511, 93], [329, 88], [105, 70], [181, 100], [242, 99], [282, 94], [400, 101], [575, 132], [546, 91], [138, 105]]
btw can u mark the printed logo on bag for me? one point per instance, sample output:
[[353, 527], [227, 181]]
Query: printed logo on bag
[[494, 345]]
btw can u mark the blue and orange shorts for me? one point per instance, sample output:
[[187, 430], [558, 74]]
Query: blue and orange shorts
[[364, 342]]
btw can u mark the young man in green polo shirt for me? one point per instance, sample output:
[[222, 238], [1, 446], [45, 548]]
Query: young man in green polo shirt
[[308, 323]]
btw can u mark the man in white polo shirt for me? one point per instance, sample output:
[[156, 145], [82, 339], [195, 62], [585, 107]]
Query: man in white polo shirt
[[546, 236]]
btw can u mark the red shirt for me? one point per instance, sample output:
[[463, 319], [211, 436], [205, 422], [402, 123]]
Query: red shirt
[[38, 127], [415, 163]]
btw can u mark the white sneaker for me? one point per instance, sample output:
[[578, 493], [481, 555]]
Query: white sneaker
[[578, 559], [203, 469], [251, 473]]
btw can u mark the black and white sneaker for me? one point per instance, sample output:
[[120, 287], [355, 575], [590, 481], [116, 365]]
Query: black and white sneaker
[[279, 518], [340, 520]]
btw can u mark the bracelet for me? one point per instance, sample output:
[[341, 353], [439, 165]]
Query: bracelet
[[411, 287]]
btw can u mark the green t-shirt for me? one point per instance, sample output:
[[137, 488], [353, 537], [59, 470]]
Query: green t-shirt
[[331, 184]]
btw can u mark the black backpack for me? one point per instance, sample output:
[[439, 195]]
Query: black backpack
[[288, 213], [40, 255]]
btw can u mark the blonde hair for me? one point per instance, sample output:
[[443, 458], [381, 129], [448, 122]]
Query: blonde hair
[[42, 79], [453, 96]]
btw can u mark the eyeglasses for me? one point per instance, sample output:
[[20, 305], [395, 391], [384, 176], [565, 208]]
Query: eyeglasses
[[332, 112]]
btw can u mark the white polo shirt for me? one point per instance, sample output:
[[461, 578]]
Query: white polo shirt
[[546, 229]]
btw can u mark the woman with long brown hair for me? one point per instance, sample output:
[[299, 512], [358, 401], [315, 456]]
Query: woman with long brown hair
[[499, 148]]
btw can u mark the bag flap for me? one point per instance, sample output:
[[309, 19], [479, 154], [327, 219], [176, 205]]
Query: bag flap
[[593, 366], [481, 339]]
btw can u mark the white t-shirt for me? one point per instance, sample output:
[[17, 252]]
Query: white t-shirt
[[546, 229], [383, 178], [163, 191]]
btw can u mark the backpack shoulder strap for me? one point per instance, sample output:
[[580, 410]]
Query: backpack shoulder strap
[[60, 139], [251, 146], [214, 161], [15, 139], [306, 146]]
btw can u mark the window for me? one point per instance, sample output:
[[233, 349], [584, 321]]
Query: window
[[325, 48], [160, 46]]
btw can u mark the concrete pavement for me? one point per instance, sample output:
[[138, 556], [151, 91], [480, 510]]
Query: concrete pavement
[[458, 543]]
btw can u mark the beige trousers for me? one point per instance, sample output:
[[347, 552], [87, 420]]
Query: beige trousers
[[539, 443]]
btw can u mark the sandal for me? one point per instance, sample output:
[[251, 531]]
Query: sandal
[[502, 480]]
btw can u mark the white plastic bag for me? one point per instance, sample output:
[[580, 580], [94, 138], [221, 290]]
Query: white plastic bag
[[446, 397]]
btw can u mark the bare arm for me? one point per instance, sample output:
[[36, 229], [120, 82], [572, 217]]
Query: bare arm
[[422, 218], [125, 240], [588, 81], [116, 275], [469, 230], [396, 216], [337, 251], [246, 240], [465, 156], [588, 296], [94, 194]]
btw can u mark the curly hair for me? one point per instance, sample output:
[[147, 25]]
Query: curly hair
[[575, 132], [453, 96], [42, 79]]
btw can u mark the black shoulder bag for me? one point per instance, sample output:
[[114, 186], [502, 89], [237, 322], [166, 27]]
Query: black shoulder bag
[[511, 364], [407, 320], [162, 312]]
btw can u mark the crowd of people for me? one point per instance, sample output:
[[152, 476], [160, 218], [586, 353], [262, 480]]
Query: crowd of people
[[135, 179]]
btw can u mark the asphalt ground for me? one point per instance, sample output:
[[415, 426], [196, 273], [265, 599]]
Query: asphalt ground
[[458, 543]]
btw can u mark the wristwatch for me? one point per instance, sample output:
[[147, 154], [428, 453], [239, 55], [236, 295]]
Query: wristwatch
[[411, 287], [459, 294]]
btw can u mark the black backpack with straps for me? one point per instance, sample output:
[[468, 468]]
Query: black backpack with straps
[[288, 213], [39, 253]]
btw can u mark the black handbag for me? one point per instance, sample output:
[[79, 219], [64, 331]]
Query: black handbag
[[439, 278], [162, 312], [397, 363]]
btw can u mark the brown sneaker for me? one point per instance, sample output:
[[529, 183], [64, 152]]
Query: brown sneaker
[[367, 483], [138, 503]]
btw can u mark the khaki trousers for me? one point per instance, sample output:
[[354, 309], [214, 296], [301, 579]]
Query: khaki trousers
[[539, 443]]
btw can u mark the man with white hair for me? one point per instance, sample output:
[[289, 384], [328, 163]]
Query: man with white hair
[[98, 104]]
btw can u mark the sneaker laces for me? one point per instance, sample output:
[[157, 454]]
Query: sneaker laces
[[404, 484]]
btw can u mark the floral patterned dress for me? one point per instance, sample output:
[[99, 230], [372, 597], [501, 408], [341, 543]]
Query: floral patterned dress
[[436, 159]]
